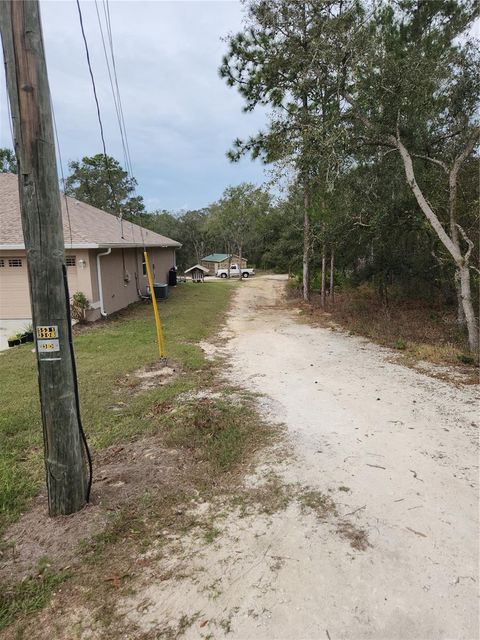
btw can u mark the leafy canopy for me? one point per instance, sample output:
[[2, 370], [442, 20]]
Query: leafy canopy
[[102, 182], [8, 161]]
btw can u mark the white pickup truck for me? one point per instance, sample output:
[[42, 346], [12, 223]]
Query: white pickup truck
[[235, 272]]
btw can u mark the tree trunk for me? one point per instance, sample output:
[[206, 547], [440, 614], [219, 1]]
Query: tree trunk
[[424, 204], [461, 320], [324, 277], [452, 206], [332, 282], [471, 321], [306, 247], [448, 242]]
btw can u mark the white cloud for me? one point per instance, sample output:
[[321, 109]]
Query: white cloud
[[181, 117]]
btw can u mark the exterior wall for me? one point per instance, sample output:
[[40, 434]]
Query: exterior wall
[[213, 267], [14, 288], [161, 261], [118, 279], [119, 290], [79, 277]]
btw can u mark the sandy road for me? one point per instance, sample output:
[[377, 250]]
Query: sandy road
[[396, 450]]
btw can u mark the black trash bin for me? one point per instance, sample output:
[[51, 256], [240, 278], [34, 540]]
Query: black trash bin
[[172, 277]]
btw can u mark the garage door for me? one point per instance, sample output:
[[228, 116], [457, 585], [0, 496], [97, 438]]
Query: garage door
[[14, 292]]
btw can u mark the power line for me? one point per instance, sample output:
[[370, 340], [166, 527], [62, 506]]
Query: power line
[[129, 166], [67, 302], [97, 104], [115, 99], [106, 10], [61, 172], [113, 77], [10, 123]]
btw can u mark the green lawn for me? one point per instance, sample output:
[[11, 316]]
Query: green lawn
[[105, 354]]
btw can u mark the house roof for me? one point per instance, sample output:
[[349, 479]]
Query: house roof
[[85, 227], [216, 257], [197, 266]]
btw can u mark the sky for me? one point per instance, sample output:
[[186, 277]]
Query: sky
[[181, 117]]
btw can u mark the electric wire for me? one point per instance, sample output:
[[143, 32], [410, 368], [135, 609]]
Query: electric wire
[[99, 116], [120, 114], [121, 122], [112, 72], [62, 174], [77, 397], [69, 318], [115, 98], [106, 10], [10, 123]]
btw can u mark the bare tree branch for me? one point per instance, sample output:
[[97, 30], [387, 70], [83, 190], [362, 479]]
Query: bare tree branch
[[469, 147], [434, 160], [466, 257]]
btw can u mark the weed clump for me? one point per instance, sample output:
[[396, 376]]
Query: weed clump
[[217, 431]]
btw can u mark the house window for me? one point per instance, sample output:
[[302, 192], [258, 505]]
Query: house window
[[14, 262], [71, 261], [144, 268], [2, 262]]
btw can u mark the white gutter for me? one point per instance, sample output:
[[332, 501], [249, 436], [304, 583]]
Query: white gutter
[[99, 279]]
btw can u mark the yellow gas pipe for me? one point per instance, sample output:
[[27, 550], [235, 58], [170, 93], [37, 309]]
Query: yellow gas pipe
[[160, 338]]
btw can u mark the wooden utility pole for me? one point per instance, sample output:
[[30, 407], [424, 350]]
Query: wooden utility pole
[[29, 94]]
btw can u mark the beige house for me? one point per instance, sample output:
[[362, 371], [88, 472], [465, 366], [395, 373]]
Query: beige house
[[216, 261], [104, 257]]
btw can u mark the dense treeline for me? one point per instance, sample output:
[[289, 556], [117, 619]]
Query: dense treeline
[[372, 139], [374, 111], [374, 128]]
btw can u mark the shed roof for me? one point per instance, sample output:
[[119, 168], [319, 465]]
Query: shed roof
[[197, 266], [216, 257], [85, 227]]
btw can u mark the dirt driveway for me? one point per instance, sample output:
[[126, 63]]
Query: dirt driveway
[[388, 458]]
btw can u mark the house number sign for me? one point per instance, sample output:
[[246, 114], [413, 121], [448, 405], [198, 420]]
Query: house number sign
[[44, 333], [47, 339]]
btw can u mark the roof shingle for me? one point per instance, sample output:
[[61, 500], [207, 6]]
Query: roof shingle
[[89, 226]]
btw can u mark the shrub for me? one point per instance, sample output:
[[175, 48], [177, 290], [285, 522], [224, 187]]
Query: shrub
[[79, 306]]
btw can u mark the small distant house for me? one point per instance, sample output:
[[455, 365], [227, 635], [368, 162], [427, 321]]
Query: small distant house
[[216, 261], [104, 257], [197, 272]]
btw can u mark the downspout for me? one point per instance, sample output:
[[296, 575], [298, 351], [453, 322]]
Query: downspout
[[99, 279]]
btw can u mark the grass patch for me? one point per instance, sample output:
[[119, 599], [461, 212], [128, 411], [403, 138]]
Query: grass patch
[[161, 453], [268, 498], [28, 596], [316, 501], [215, 430], [105, 353]]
